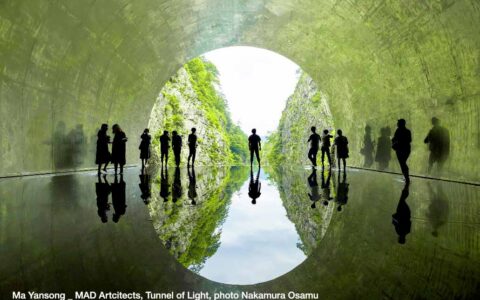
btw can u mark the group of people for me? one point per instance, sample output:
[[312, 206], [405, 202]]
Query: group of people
[[437, 138], [177, 146]]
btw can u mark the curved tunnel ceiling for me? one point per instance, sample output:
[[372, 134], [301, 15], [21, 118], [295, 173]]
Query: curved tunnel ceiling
[[67, 66]]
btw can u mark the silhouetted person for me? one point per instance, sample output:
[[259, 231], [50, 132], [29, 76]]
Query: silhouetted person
[[164, 185], [438, 209], [192, 186], [144, 186], [314, 140], [255, 145], [118, 148], [102, 156], [145, 147], [341, 147], [326, 148], [401, 144], [255, 186], [164, 146], [438, 140], [176, 147], [118, 199], [314, 194], [384, 148], [102, 189], [192, 147], [326, 188], [342, 192], [368, 147], [177, 186], [401, 218]]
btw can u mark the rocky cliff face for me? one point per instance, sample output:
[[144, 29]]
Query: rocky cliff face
[[191, 99], [306, 107]]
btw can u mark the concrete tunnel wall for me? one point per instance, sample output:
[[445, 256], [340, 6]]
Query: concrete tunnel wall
[[68, 66]]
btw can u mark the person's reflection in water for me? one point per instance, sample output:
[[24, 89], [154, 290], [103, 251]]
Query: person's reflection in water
[[438, 140], [102, 189], [342, 191], [176, 186], [164, 186], [314, 194], [401, 218], [118, 198], [384, 146], [438, 209], [192, 185], [144, 186], [368, 147], [326, 187], [254, 187]]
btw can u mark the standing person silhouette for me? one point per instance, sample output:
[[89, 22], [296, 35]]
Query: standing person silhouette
[[438, 140], [102, 156], [314, 140], [176, 146], [118, 148], [255, 145], [401, 144], [164, 146], [254, 187], [326, 148], [341, 147], [145, 147], [192, 147]]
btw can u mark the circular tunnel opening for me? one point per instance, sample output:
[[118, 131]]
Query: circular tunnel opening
[[221, 212]]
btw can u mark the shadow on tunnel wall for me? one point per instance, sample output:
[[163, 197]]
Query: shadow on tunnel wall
[[69, 147]]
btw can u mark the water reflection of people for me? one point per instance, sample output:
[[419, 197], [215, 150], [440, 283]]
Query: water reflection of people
[[401, 218], [164, 186], [176, 186], [384, 148], [314, 194], [144, 186], [192, 185], [438, 140], [254, 187], [118, 198], [438, 209], [326, 187], [102, 189], [342, 191]]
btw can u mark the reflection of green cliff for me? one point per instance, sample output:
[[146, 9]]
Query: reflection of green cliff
[[311, 224], [192, 232], [191, 99]]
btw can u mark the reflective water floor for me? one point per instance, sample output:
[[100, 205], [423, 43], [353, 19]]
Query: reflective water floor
[[361, 235]]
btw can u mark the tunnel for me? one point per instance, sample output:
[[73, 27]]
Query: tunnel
[[69, 66]]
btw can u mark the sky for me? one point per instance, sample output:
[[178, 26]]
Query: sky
[[256, 83]]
